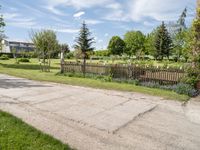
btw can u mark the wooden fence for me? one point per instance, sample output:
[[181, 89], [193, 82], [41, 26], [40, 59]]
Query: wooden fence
[[129, 72]]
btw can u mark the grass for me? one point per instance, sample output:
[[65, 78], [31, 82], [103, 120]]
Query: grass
[[31, 71], [17, 135]]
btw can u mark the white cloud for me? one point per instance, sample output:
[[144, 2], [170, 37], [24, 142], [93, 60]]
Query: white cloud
[[160, 10], [54, 10], [78, 3], [93, 22], [67, 30], [79, 14], [17, 20], [9, 16]]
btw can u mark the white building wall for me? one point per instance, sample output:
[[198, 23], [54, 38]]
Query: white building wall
[[5, 47]]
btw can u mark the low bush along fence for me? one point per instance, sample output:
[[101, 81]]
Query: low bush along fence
[[129, 72]]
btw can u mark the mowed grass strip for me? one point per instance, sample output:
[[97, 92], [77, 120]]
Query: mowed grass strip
[[17, 135], [31, 71]]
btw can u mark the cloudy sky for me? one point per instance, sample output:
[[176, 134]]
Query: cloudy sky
[[105, 18]]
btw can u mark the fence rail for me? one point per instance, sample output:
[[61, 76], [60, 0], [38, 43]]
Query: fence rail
[[129, 72]]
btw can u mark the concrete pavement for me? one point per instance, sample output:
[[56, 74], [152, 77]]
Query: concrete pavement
[[89, 119]]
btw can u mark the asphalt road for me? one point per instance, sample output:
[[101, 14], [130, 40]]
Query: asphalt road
[[93, 119]]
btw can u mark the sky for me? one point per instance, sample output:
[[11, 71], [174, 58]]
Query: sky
[[105, 18]]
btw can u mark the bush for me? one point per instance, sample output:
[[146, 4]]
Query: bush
[[180, 88], [187, 89], [4, 57], [24, 60], [69, 55]]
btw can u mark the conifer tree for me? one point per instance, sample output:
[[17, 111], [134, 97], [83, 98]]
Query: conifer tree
[[84, 43], [163, 42]]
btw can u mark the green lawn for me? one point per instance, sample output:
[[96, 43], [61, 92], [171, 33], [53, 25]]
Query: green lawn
[[31, 71], [17, 135]]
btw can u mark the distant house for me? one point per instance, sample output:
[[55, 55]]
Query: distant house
[[8, 46]]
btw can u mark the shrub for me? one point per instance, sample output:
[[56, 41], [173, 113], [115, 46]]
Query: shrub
[[4, 57], [180, 88], [187, 89], [24, 60], [192, 77], [69, 55]]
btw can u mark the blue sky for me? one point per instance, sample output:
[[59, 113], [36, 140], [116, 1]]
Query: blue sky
[[105, 18]]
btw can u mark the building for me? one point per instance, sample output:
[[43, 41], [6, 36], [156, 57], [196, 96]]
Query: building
[[9, 46]]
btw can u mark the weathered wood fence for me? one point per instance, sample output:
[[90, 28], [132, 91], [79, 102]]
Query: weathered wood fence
[[129, 72]]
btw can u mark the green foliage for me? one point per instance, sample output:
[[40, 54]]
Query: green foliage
[[116, 46], [193, 76], [64, 48], [180, 88], [196, 41], [103, 53], [163, 42], [4, 57], [17, 135], [69, 55], [45, 42], [134, 41], [46, 45], [25, 60], [83, 41], [150, 43]]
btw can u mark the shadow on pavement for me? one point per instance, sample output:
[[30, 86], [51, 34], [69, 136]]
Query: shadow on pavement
[[18, 83]]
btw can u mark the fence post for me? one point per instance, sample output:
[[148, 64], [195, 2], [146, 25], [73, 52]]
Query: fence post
[[62, 62]]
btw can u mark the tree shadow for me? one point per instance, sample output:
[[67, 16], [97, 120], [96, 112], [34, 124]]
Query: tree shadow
[[18, 83], [25, 66]]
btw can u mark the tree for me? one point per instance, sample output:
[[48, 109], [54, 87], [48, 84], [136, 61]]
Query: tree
[[84, 43], [116, 45], [64, 48], [196, 40], [150, 43], [179, 36], [163, 42], [134, 41], [46, 43], [2, 25]]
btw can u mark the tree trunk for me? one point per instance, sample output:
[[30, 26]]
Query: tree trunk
[[62, 62], [84, 63]]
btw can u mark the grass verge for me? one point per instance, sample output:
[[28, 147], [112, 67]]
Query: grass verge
[[31, 71], [17, 135]]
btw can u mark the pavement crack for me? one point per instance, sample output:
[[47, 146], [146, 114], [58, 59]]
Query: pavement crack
[[135, 118]]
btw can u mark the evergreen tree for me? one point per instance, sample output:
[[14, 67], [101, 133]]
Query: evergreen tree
[[163, 42], [116, 45], [2, 25], [84, 43]]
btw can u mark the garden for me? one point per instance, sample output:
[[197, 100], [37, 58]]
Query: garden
[[166, 60]]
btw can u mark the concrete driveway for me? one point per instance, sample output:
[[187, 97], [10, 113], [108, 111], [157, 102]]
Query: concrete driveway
[[92, 119]]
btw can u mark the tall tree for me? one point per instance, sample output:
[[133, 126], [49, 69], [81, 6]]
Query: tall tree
[[134, 42], [163, 42], [46, 44], [84, 43], [150, 43], [196, 40], [179, 36], [181, 20], [116, 45], [2, 25]]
